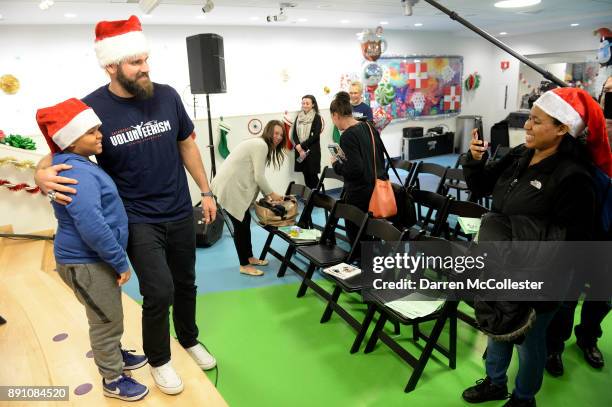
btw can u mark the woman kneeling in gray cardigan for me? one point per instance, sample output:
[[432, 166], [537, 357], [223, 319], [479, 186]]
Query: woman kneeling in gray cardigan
[[239, 181]]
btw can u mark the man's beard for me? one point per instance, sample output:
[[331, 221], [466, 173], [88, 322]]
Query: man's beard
[[140, 90]]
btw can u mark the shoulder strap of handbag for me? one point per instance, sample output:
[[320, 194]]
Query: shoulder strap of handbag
[[385, 152], [373, 153]]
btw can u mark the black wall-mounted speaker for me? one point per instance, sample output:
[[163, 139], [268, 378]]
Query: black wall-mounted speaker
[[206, 64]]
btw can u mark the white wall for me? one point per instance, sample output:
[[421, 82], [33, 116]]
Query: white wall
[[570, 39], [57, 62]]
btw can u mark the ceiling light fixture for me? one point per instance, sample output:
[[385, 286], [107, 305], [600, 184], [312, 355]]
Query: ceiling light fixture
[[516, 3], [503, 33], [384, 22], [70, 15], [147, 6], [418, 24], [208, 6], [407, 6], [344, 21], [574, 24], [45, 4]]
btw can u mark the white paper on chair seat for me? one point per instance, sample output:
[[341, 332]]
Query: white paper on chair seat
[[342, 271], [415, 305], [470, 226]]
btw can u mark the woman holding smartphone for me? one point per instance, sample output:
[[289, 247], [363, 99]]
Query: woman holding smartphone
[[305, 135]]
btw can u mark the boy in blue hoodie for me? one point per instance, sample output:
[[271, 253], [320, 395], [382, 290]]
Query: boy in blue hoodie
[[92, 234]]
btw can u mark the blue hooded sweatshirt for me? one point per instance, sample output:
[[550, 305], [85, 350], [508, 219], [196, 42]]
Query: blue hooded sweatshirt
[[93, 227]]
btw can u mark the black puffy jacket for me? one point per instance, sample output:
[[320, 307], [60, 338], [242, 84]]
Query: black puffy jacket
[[558, 189]]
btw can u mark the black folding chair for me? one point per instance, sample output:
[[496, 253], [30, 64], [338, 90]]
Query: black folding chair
[[467, 210], [431, 169], [303, 194], [460, 160], [317, 200], [408, 166], [329, 173], [463, 209], [377, 230], [435, 204], [446, 313], [326, 253], [456, 180]]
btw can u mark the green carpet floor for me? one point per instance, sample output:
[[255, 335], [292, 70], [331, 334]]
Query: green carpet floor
[[272, 351]]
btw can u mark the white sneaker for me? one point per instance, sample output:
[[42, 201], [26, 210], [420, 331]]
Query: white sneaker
[[167, 379], [205, 360]]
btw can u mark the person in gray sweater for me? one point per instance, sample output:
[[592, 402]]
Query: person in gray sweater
[[238, 183]]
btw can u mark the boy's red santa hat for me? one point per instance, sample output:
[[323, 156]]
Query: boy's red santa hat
[[65, 123], [117, 40], [578, 110]]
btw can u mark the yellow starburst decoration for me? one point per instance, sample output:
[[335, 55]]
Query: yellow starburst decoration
[[9, 84]]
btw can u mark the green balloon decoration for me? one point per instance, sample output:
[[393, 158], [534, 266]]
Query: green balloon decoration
[[385, 93]]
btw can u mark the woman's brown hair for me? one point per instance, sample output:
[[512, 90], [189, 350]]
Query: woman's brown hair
[[276, 155]]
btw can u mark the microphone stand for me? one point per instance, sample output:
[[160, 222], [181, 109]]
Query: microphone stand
[[454, 16]]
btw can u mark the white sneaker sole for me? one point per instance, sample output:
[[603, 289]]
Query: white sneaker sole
[[208, 366], [133, 398], [169, 390]]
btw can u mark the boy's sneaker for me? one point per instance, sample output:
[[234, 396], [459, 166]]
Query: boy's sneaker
[[205, 360], [131, 361], [125, 388], [167, 379]]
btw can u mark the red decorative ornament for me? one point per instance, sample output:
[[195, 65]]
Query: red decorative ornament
[[505, 65]]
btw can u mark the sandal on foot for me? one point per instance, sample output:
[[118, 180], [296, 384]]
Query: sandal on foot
[[258, 262], [251, 271]]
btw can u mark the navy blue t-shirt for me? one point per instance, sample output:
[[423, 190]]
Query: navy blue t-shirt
[[140, 152], [362, 110]]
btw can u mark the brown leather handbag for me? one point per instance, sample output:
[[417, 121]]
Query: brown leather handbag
[[277, 214], [382, 201]]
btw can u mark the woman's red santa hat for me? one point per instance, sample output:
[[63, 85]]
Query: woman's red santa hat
[[117, 40], [578, 110], [65, 123]]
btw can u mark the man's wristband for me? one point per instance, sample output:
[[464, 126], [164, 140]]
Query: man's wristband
[[209, 193]]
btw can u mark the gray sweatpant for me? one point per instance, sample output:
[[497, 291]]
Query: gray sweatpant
[[95, 286]]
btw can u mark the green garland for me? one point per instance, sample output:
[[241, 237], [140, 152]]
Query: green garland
[[15, 140]]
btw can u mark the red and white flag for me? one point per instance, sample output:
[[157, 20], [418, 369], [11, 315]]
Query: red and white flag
[[417, 75], [452, 98]]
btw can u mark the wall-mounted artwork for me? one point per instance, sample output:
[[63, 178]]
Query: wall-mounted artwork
[[418, 87]]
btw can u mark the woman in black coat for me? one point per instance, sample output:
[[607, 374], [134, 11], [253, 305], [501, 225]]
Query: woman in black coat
[[305, 135], [358, 166], [546, 179]]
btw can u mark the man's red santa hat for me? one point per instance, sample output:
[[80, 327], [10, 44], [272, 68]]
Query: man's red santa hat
[[117, 40], [578, 110], [65, 123]]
